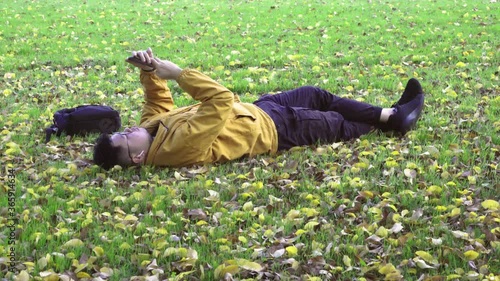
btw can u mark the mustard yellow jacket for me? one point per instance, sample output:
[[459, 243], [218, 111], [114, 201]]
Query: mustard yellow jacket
[[218, 129]]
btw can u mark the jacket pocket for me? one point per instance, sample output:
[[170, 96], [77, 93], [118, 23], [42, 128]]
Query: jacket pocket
[[241, 112]]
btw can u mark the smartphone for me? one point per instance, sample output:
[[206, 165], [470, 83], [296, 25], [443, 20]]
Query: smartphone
[[139, 61]]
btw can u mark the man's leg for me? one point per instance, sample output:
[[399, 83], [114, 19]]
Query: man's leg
[[318, 99], [298, 126]]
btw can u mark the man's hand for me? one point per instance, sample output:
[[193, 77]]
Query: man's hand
[[166, 69], [142, 59]]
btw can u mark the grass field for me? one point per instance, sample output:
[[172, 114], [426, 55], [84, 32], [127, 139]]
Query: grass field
[[421, 207]]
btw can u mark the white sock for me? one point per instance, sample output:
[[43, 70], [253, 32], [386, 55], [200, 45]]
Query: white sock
[[385, 114]]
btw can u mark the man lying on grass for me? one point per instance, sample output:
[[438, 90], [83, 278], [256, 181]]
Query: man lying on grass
[[221, 128]]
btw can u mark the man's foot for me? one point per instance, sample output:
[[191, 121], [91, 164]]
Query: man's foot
[[412, 89], [406, 115]]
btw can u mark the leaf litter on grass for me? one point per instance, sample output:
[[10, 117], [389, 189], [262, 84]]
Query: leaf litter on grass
[[422, 207]]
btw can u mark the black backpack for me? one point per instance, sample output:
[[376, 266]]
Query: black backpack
[[84, 119]]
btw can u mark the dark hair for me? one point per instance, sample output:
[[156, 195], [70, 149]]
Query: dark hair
[[105, 154]]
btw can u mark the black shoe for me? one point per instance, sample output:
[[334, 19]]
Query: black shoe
[[412, 89], [406, 115]]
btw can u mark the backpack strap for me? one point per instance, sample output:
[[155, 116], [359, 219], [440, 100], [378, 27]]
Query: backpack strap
[[49, 131]]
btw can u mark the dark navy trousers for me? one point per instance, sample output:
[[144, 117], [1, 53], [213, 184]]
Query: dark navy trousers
[[310, 115]]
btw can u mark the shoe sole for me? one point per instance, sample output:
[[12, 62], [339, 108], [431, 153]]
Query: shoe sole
[[412, 118]]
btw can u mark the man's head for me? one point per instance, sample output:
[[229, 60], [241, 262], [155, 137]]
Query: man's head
[[127, 148]]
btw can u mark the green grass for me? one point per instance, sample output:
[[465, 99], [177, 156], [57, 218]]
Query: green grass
[[334, 204]]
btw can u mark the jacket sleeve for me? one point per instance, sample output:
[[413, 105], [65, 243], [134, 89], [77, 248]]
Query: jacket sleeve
[[157, 95], [202, 128]]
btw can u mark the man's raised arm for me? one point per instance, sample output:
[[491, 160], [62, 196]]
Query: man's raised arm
[[200, 130], [158, 98]]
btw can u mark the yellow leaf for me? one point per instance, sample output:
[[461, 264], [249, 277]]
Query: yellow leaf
[[293, 214], [82, 274], [23, 276], [471, 255], [426, 256], [248, 265], [29, 264], [455, 212], [310, 212], [106, 271], [460, 234], [295, 57], [300, 232], [42, 262], [80, 267], [248, 206], [202, 222], [9, 75], [310, 225], [386, 269], [291, 250], [98, 251], [434, 189], [490, 204], [222, 269], [130, 218], [7, 92], [346, 260], [73, 243], [125, 246], [382, 232], [460, 64], [441, 208], [49, 276]]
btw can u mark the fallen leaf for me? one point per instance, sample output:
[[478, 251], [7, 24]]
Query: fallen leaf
[[490, 205], [471, 255]]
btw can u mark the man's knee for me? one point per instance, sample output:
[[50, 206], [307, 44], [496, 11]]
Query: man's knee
[[310, 89]]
